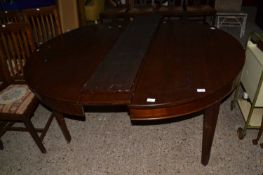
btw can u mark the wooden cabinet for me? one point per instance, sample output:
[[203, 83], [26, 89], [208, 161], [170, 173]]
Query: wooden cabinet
[[68, 11]]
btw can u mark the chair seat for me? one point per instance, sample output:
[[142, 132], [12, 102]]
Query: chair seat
[[15, 99]]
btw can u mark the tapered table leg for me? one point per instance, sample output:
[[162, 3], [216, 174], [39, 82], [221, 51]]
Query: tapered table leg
[[209, 125], [62, 124]]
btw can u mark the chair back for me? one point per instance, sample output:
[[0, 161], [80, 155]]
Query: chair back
[[9, 16], [15, 47], [44, 23]]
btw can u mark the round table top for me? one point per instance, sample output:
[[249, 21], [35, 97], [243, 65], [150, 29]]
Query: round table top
[[186, 68]]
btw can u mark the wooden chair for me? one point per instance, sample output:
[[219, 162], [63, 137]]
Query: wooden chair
[[171, 8], [9, 16], [44, 23], [17, 102], [200, 8], [115, 9], [141, 7]]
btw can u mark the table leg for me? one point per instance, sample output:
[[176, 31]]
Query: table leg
[[209, 125], [62, 124]]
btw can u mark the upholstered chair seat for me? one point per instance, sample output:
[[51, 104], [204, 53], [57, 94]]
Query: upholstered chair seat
[[15, 99]]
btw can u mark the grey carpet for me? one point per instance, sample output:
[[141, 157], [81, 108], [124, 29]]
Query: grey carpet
[[107, 143]]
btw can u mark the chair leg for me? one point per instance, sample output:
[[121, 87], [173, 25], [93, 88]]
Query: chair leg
[[1, 145], [45, 129], [35, 136], [62, 124], [6, 127]]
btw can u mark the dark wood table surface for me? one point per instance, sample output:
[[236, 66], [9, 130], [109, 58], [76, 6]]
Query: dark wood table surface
[[175, 69]]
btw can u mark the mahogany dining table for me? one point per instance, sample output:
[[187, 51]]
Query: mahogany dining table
[[159, 69]]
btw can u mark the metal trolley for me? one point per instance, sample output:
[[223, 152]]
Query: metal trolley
[[251, 104]]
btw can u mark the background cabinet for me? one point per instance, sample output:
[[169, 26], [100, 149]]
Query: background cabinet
[[68, 12]]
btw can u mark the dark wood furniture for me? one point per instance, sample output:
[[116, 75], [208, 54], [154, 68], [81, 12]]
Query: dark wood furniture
[[44, 23], [9, 16], [168, 8], [167, 72], [200, 8], [17, 102], [16, 46]]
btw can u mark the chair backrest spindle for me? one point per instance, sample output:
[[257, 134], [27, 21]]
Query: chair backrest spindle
[[16, 46], [44, 23]]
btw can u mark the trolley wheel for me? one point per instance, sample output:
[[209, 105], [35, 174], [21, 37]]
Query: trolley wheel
[[241, 133], [255, 141]]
